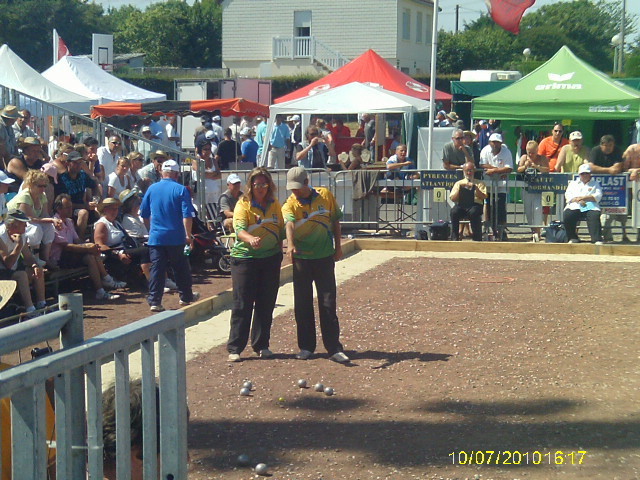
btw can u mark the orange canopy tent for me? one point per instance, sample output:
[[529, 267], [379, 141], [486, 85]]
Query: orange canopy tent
[[369, 68], [227, 107]]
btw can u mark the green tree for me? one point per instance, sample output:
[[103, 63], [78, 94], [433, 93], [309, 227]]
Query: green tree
[[28, 27]]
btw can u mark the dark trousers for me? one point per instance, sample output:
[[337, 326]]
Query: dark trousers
[[573, 217], [255, 288], [500, 209], [320, 271], [474, 214], [161, 257]]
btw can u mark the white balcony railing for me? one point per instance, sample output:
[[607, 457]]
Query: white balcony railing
[[308, 47]]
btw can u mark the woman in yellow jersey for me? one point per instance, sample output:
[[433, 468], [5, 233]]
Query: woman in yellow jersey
[[256, 258]]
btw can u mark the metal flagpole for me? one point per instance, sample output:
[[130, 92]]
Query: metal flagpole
[[432, 90]]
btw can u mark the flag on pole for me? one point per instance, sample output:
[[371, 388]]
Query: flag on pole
[[60, 48], [508, 13]]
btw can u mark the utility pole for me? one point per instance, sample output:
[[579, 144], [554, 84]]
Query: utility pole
[[622, 31], [458, 16]]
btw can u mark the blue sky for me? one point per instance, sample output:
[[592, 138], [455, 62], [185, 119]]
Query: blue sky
[[469, 9]]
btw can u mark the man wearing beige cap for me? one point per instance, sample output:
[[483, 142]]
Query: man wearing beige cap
[[572, 155], [312, 222], [8, 144]]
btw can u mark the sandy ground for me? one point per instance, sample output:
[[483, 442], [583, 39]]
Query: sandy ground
[[475, 353]]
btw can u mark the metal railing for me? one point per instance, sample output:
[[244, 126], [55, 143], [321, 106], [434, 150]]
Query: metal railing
[[308, 47], [78, 427]]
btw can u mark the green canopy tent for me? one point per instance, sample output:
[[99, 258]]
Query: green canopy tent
[[565, 87]]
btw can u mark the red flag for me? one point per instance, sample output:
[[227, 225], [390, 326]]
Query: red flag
[[508, 13], [62, 48]]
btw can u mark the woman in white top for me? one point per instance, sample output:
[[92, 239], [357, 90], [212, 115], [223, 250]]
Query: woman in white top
[[212, 175], [119, 180], [109, 234]]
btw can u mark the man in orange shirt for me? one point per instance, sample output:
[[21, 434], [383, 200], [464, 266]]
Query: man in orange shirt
[[550, 147]]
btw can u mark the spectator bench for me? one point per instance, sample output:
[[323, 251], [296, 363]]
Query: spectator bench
[[52, 279]]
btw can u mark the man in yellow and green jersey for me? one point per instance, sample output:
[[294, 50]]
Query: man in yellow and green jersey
[[312, 224]]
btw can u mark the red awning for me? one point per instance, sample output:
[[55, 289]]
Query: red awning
[[368, 68], [227, 107]]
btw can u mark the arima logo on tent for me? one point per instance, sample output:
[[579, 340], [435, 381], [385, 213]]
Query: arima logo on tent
[[319, 89], [373, 84], [417, 87], [557, 78]]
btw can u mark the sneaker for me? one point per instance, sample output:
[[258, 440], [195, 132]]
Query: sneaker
[[339, 357], [157, 308], [106, 296], [265, 353], [234, 357], [598, 243], [112, 283], [196, 297], [536, 238], [573, 240], [170, 285], [41, 263], [304, 355]]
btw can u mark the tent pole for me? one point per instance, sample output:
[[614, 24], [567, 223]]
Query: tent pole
[[432, 89]]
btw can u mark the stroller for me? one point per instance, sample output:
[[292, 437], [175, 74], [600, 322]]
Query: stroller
[[211, 244]]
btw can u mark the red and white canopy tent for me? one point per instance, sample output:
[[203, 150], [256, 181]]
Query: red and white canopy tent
[[227, 107], [369, 68]]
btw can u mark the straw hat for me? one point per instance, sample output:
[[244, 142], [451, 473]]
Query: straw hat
[[7, 289], [106, 202], [158, 153], [126, 194], [29, 141], [10, 111]]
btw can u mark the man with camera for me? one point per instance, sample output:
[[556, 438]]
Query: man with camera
[[313, 152], [468, 195]]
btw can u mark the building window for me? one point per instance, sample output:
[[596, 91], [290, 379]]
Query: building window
[[302, 23], [406, 24], [419, 27], [429, 24]]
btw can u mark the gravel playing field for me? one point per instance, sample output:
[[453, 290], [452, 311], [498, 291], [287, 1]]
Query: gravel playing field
[[453, 359]]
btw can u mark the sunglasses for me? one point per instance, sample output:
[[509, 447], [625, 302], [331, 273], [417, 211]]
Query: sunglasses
[[116, 143], [260, 185]]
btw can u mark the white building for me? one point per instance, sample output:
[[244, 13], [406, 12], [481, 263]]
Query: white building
[[268, 38]]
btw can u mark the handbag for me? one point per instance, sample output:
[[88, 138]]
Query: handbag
[[556, 233]]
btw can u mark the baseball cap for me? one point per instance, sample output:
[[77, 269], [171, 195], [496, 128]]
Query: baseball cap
[[584, 168], [209, 135], [51, 170], [575, 135], [295, 118], [233, 178], [216, 118], [146, 128], [4, 178], [170, 166], [495, 137], [246, 131], [73, 156], [296, 177]]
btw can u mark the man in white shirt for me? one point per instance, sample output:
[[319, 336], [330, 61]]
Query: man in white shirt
[[108, 156], [583, 197], [497, 162]]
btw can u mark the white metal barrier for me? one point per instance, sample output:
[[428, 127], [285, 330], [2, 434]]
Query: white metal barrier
[[78, 426]]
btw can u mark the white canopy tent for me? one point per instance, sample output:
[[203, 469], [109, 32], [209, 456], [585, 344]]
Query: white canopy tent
[[351, 98], [16, 74], [81, 75]]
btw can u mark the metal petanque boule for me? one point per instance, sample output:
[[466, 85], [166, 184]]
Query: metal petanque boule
[[319, 387], [328, 391], [302, 383], [261, 469], [247, 384], [243, 460], [245, 392]]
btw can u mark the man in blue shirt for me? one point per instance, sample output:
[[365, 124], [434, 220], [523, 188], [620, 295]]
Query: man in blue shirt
[[168, 213], [280, 136], [249, 146], [261, 131]]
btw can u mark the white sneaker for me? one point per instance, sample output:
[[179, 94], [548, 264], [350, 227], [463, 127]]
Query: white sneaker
[[599, 243], [234, 357], [156, 308], [196, 297], [573, 240], [106, 296], [339, 357], [170, 284], [304, 355], [536, 238]]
